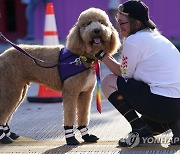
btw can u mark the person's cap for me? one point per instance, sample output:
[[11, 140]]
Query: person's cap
[[136, 9]]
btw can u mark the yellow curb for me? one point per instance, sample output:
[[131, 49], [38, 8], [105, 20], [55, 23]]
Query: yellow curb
[[27, 145]]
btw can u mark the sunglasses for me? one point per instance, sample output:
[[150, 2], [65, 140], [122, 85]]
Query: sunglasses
[[119, 22]]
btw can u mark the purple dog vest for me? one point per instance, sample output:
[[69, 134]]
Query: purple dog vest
[[69, 64]]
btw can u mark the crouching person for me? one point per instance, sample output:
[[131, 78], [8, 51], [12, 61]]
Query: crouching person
[[147, 79]]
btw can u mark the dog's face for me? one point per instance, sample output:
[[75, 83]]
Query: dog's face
[[95, 33]]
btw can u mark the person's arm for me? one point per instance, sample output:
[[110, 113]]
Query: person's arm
[[112, 64]]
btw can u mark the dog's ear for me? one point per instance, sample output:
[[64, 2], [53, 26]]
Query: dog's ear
[[74, 41], [115, 41]]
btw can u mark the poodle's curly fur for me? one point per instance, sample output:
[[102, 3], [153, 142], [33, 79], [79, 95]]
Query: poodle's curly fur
[[92, 32]]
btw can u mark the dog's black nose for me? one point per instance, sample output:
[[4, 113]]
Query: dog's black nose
[[96, 31]]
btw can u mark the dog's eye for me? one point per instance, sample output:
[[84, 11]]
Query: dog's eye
[[86, 24], [103, 23], [100, 21]]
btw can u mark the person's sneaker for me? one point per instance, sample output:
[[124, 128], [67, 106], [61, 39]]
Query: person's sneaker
[[135, 137], [176, 133], [157, 128]]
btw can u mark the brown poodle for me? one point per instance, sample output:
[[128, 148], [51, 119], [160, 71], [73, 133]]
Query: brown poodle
[[93, 32]]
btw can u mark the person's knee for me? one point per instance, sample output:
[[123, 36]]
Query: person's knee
[[109, 84]]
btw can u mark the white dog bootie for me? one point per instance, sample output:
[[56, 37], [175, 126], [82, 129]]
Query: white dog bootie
[[85, 136]]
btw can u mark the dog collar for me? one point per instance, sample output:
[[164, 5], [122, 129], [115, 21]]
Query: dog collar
[[87, 59]]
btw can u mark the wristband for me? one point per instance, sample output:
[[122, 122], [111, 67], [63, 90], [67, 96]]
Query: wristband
[[100, 55]]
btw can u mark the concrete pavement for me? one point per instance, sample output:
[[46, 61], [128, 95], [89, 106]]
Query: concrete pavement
[[40, 126]]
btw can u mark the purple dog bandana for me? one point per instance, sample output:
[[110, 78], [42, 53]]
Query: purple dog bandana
[[69, 64]]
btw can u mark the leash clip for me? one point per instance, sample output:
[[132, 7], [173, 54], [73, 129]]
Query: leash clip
[[77, 61]]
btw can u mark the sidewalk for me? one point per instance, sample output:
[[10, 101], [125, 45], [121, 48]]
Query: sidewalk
[[40, 126]]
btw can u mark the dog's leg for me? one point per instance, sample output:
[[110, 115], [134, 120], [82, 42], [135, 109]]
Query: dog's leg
[[8, 133], [10, 100], [23, 94], [69, 106], [6, 128], [3, 138], [83, 106], [70, 137]]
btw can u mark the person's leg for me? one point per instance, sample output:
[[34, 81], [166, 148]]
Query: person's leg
[[157, 127], [110, 90], [30, 18], [46, 1], [155, 107], [160, 109]]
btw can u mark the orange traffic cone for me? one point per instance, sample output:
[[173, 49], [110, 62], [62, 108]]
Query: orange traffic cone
[[50, 38], [50, 29]]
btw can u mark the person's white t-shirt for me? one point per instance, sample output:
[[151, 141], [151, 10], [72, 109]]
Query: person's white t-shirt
[[152, 58]]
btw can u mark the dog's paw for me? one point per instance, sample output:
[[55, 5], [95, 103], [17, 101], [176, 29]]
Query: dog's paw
[[8, 133], [90, 138], [72, 141], [13, 136], [6, 140]]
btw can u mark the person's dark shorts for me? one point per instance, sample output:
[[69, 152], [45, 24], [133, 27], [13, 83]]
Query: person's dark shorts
[[155, 107]]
